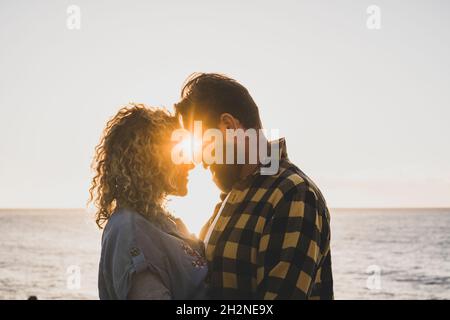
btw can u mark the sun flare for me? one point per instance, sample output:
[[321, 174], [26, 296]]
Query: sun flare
[[189, 149]]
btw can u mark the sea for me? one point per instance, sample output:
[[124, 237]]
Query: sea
[[376, 254]]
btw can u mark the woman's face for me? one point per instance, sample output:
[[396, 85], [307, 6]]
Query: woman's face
[[180, 172], [181, 178]]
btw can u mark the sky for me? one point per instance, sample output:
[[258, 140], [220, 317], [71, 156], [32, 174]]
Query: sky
[[365, 111]]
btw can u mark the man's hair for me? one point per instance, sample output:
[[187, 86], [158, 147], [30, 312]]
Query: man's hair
[[208, 95]]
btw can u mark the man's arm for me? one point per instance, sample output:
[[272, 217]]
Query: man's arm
[[289, 248]]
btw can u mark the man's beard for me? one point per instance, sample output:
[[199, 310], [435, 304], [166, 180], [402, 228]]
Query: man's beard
[[225, 176]]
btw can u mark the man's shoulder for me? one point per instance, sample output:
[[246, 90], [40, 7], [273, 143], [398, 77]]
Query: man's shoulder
[[291, 181], [288, 177]]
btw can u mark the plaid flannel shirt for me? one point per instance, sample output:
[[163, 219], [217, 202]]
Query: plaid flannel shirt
[[272, 239]]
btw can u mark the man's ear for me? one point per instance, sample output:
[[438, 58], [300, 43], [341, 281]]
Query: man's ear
[[227, 121]]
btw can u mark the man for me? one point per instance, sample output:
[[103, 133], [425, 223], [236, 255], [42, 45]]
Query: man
[[270, 236]]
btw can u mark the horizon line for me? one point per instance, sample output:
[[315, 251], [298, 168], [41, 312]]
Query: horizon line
[[330, 208]]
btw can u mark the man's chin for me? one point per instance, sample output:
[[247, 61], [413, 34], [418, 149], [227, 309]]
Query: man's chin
[[224, 183], [221, 186]]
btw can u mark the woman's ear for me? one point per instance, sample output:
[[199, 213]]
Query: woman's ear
[[227, 121]]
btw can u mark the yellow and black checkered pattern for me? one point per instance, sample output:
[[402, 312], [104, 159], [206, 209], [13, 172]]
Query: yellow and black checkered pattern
[[272, 239]]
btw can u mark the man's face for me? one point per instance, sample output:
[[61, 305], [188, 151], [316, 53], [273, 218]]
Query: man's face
[[224, 175]]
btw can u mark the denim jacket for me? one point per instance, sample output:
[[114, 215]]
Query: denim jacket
[[132, 244]]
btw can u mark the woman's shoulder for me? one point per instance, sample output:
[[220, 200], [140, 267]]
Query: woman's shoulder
[[132, 241], [137, 233], [162, 249], [130, 226], [126, 251]]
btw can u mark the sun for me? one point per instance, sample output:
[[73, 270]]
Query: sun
[[189, 149]]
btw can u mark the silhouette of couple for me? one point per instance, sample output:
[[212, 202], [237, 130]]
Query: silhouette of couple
[[268, 237]]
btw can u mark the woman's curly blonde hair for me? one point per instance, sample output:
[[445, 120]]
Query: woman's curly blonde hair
[[132, 163]]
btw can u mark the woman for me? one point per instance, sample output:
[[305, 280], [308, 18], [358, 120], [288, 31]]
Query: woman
[[146, 253]]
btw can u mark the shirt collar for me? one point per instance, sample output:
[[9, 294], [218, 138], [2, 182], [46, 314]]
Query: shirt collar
[[257, 172]]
